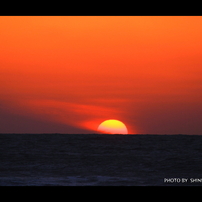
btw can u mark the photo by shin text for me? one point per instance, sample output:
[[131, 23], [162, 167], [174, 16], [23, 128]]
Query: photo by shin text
[[182, 180]]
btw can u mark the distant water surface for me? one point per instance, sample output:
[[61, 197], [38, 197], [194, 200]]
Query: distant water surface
[[100, 160]]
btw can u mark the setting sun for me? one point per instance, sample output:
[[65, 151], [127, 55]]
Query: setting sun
[[113, 127]]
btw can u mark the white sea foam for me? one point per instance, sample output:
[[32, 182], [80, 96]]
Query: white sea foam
[[67, 181]]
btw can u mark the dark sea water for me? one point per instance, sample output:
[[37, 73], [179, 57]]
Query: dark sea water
[[100, 160]]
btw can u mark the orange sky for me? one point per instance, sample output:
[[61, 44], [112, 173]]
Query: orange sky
[[69, 73]]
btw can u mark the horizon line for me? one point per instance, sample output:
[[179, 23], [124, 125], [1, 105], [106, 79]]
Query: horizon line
[[94, 134]]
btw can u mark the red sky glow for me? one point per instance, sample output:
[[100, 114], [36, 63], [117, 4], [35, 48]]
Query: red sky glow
[[67, 74]]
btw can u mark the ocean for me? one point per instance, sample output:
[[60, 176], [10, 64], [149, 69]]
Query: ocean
[[100, 160]]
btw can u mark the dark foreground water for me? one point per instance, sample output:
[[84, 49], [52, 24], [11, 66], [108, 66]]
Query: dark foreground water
[[100, 160]]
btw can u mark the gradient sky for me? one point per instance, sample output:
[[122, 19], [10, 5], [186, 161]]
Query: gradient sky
[[67, 74]]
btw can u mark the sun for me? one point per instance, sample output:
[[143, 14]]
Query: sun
[[112, 126]]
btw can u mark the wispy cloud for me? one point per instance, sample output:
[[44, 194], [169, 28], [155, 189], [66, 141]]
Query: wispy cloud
[[86, 116]]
